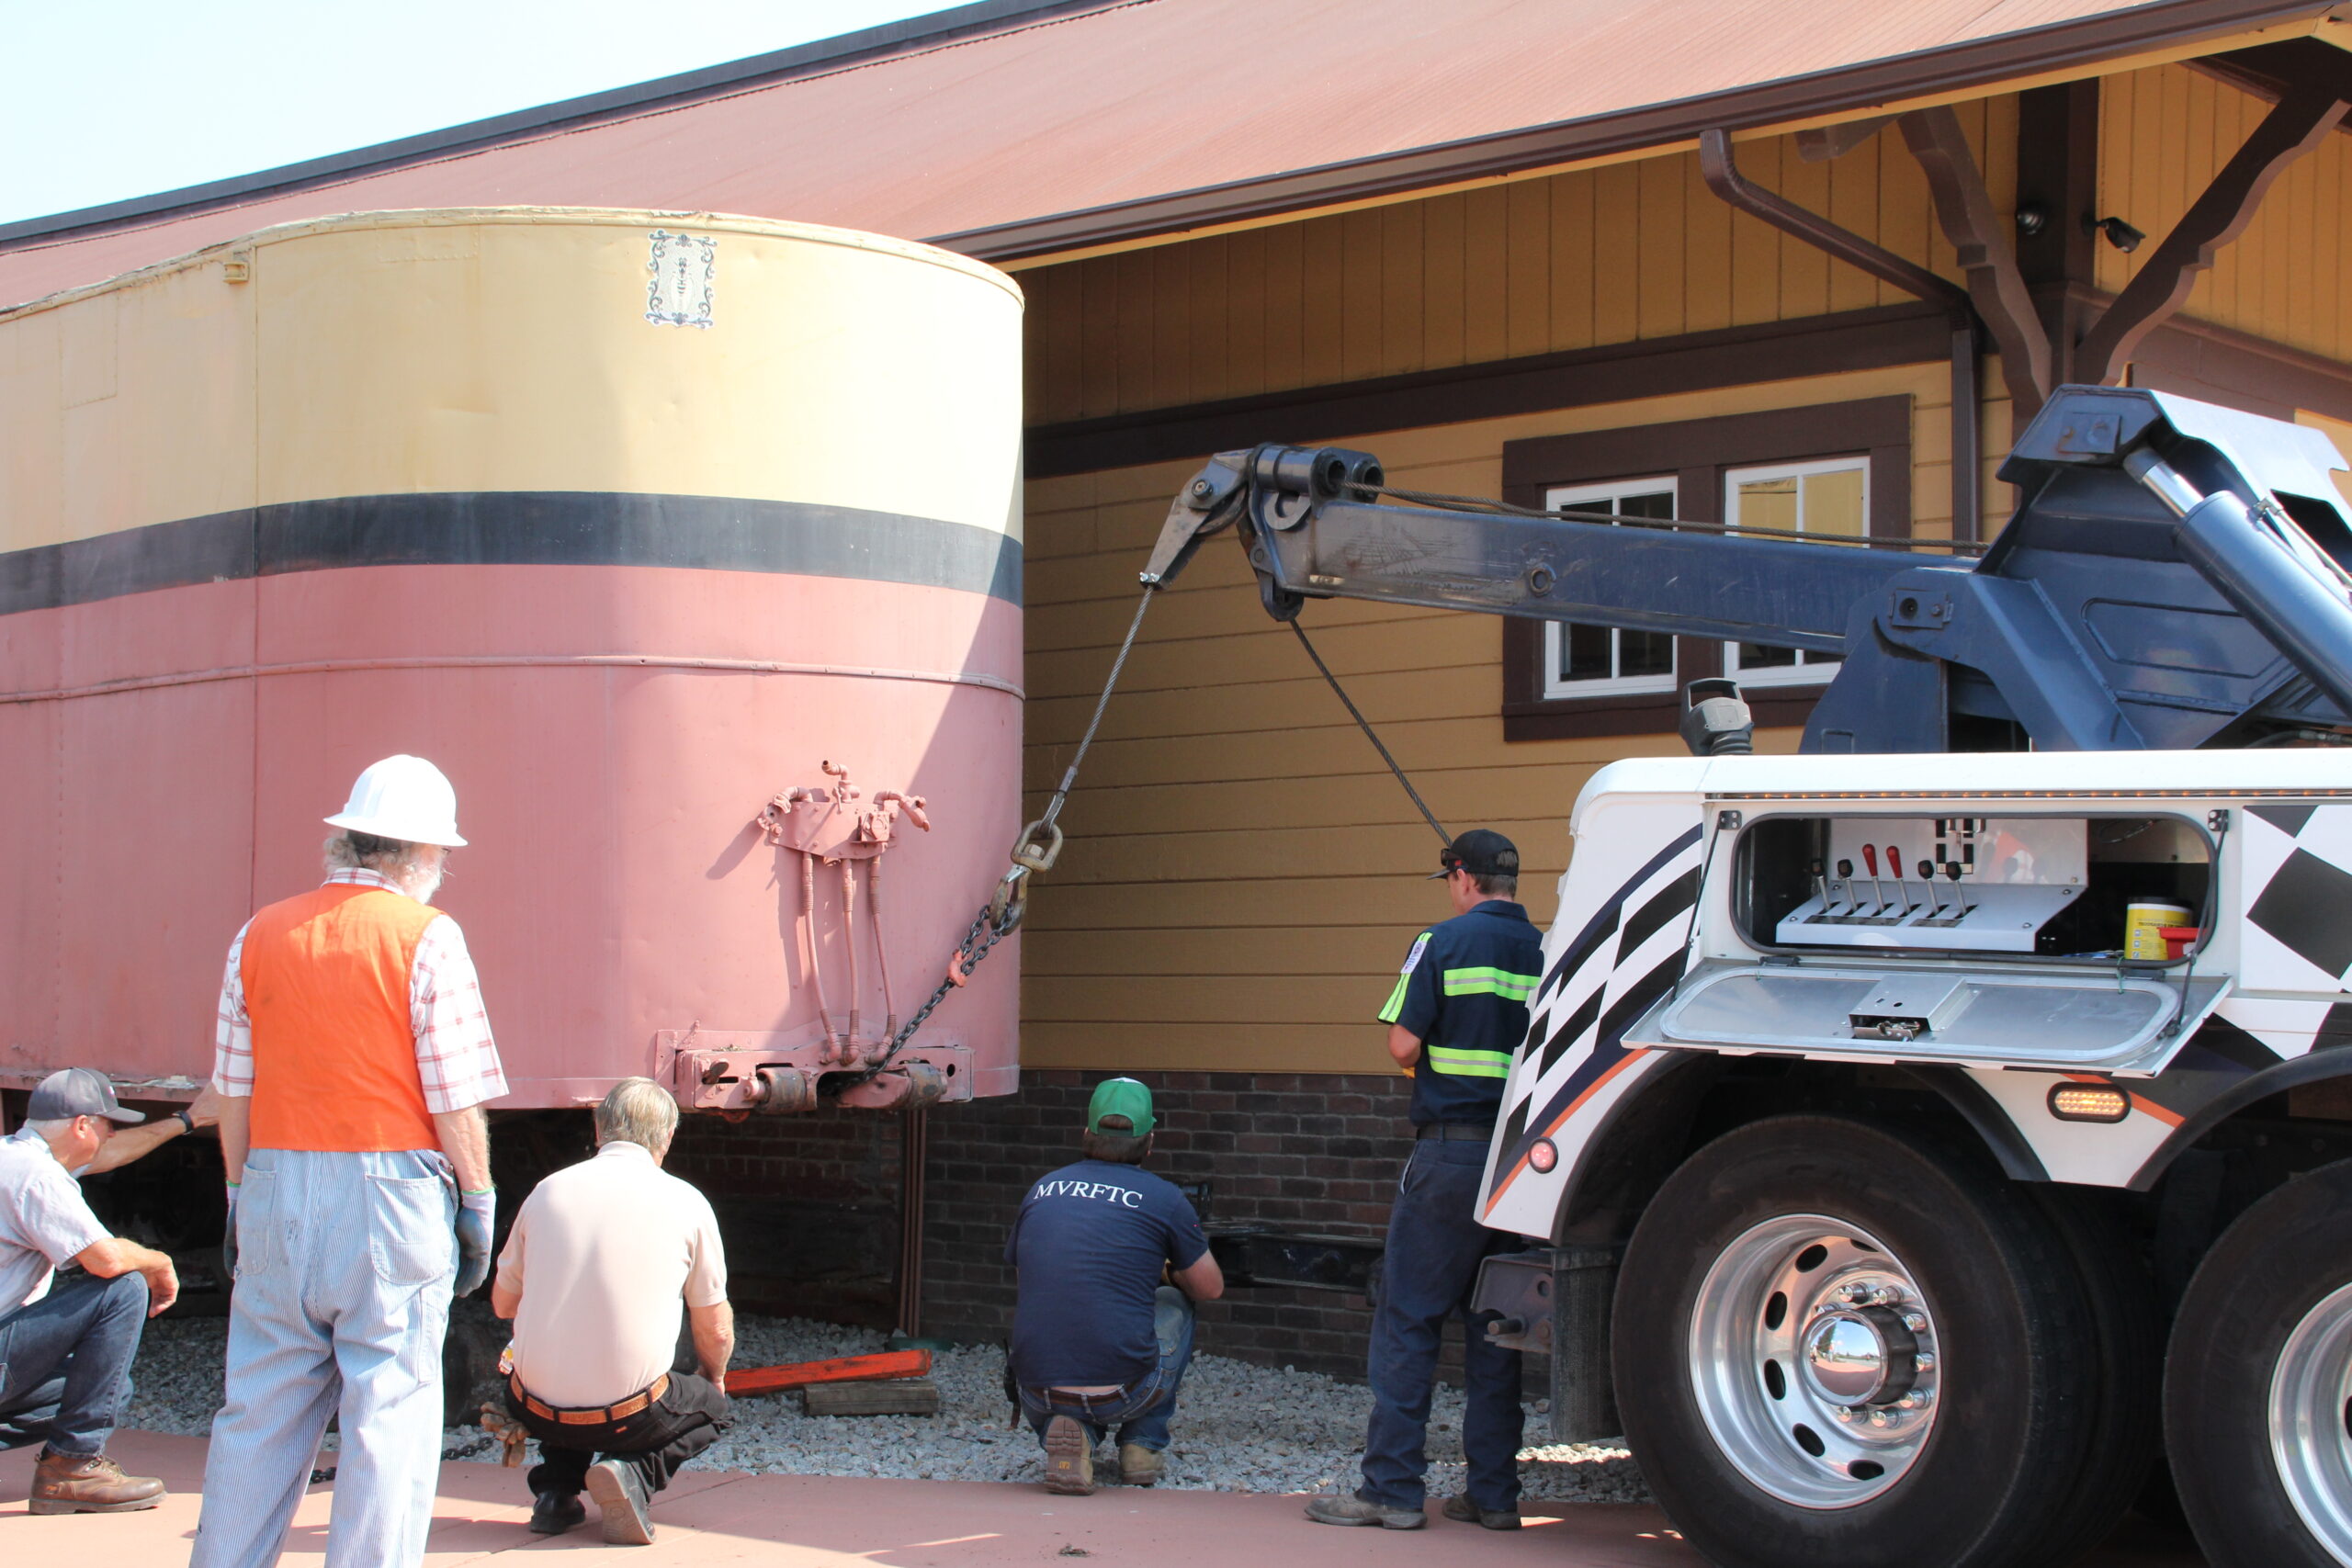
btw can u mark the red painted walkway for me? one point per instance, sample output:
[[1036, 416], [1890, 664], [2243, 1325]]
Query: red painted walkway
[[806, 1521]]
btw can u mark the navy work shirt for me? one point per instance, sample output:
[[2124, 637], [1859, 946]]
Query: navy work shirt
[[1089, 1243], [1464, 991]]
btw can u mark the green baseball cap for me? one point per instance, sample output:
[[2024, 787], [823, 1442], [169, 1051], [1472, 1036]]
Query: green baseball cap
[[1120, 1096]]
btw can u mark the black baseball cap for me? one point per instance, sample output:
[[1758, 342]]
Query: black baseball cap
[[77, 1091], [1481, 852]]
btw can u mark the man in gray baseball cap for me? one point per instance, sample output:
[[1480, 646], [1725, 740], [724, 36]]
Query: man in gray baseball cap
[[70, 1337]]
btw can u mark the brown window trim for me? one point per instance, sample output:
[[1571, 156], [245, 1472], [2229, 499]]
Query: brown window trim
[[1696, 452]]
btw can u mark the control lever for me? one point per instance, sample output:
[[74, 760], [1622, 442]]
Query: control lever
[[1952, 869], [1821, 891], [1870, 859], [1928, 876], [1902, 888]]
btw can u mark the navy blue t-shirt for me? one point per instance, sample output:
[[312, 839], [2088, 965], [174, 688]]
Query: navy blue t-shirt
[[1089, 1243]]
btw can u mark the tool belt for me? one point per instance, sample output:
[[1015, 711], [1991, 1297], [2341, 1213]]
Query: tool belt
[[592, 1416]]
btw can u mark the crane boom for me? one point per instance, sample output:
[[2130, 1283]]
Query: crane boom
[[2176, 575]]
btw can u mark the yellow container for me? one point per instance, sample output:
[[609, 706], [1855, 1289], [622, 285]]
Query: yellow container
[[2144, 926]]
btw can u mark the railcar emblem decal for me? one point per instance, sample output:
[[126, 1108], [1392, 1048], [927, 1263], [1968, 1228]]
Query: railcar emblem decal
[[681, 273]]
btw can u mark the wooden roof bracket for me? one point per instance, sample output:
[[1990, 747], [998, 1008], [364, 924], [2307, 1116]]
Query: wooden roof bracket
[[1719, 167], [1978, 233], [2303, 116]]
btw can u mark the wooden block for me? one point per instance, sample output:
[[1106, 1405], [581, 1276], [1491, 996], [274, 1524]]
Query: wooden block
[[906, 1396]]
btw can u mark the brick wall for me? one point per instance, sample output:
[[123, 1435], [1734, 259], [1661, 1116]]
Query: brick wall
[[810, 1202]]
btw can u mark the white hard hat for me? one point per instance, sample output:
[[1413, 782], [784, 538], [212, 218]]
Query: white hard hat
[[406, 799]]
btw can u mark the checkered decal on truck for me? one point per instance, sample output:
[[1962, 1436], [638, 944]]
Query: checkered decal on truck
[[1594, 986]]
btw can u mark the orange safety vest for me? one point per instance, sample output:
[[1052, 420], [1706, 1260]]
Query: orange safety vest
[[326, 978]]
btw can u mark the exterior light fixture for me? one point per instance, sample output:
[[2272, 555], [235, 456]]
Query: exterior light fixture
[[2119, 235], [2032, 218], [1543, 1156]]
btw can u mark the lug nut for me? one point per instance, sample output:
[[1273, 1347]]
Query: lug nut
[[1843, 1412], [1916, 1322], [1925, 1363], [1881, 1418], [1886, 1295]]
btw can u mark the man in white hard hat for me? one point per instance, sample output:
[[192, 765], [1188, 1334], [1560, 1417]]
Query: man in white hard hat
[[353, 1057]]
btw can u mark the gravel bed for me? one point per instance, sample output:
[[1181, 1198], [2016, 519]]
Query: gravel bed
[[1240, 1426]]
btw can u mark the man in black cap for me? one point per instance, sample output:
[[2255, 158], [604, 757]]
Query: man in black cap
[[1457, 1014], [68, 1341]]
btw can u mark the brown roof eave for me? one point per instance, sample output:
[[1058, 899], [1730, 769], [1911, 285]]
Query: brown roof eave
[[1985, 62]]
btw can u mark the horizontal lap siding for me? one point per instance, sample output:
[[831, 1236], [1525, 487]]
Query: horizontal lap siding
[[2164, 133], [1612, 254], [1243, 875]]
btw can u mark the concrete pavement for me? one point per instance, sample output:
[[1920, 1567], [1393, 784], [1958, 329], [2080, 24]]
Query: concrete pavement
[[806, 1521]]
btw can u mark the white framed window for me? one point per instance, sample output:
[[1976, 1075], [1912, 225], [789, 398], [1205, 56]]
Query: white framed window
[[1590, 662], [1829, 500]]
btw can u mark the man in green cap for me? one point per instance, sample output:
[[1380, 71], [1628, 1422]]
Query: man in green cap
[[1100, 1341]]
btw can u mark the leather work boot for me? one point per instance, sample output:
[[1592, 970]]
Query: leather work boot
[[1469, 1513], [1139, 1466], [1070, 1458], [1328, 1510], [621, 1496], [91, 1483], [555, 1512]]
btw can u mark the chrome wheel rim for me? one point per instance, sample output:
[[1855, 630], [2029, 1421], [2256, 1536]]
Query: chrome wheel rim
[[1815, 1361], [2310, 1441]]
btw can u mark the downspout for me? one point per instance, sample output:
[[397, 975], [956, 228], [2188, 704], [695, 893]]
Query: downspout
[[1718, 166]]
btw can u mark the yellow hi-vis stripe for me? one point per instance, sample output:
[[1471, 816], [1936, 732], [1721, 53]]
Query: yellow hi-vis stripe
[[1470, 1064], [1394, 1007], [1491, 982]]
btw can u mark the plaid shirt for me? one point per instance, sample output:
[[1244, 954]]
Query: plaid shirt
[[455, 1057]]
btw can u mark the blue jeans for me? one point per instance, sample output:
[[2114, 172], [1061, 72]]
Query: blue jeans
[[1434, 1248], [1141, 1410], [65, 1362]]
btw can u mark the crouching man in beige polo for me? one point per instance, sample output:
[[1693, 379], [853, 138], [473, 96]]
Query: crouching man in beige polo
[[602, 1256]]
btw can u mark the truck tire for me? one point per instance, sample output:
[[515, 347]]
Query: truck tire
[[2256, 1382], [1784, 1317]]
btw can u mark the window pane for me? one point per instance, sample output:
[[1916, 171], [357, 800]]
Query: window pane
[[1754, 656], [1645, 653], [1655, 503], [1833, 503], [1769, 503], [1584, 653]]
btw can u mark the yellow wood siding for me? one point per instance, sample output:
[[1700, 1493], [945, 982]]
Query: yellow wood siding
[[1243, 877], [1629, 251], [2164, 133]]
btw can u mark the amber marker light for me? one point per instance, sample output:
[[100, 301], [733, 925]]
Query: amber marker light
[[1543, 1156], [2090, 1102]]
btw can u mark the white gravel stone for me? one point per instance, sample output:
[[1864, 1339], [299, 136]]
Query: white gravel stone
[[1240, 1426]]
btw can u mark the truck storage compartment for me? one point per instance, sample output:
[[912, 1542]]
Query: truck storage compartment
[[2059, 886]]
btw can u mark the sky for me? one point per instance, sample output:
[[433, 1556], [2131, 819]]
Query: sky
[[102, 102]]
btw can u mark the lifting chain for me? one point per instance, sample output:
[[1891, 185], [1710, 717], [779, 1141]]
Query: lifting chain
[[1039, 845]]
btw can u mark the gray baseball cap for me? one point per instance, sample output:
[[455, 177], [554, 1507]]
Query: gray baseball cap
[[78, 1092]]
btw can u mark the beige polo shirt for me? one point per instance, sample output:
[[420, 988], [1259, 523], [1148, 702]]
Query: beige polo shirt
[[607, 1254]]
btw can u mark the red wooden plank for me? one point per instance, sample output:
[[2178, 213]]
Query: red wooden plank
[[840, 1369]]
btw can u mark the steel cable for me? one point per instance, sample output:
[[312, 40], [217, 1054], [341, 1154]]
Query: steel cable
[[1365, 725]]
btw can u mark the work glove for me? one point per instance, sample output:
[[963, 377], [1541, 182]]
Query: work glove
[[476, 1222], [228, 1240]]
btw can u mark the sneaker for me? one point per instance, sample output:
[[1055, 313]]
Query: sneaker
[[555, 1512], [1070, 1458], [621, 1497], [1469, 1513], [1139, 1466], [1356, 1511], [88, 1483]]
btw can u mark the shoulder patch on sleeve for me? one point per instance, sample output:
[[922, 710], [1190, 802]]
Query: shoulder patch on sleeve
[[1420, 945]]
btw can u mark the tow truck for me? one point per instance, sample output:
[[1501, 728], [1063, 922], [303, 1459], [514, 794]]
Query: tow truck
[[1936, 1142]]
